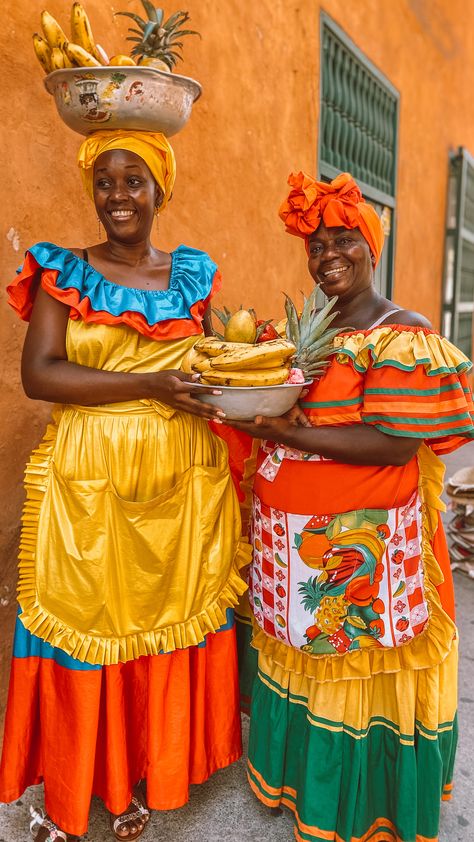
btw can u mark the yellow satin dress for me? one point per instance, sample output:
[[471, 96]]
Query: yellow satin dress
[[131, 541]]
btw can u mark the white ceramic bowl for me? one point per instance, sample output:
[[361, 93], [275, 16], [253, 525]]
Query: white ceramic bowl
[[243, 403], [139, 98]]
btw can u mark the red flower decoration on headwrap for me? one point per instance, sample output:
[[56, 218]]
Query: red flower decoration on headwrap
[[338, 204]]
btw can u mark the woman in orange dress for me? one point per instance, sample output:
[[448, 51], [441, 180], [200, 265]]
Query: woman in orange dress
[[353, 710]]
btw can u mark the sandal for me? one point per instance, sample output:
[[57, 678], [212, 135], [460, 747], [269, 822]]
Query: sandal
[[142, 812], [39, 819]]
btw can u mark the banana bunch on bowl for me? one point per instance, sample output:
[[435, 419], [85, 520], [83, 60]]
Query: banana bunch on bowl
[[263, 376], [55, 51], [243, 356], [252, 379], [243, 364]]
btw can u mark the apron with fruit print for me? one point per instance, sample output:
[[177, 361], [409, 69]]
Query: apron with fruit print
[[366, 587], [353, 707]]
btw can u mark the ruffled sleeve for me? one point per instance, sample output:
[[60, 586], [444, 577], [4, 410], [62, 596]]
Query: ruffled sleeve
[[160, 314], [414, 384]]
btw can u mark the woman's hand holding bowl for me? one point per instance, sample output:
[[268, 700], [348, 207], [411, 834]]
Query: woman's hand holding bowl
[[175, 388], [276, 428], [264, 427]]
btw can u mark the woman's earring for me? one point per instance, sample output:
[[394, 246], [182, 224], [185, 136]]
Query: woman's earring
[[99, 232], [157, 213]]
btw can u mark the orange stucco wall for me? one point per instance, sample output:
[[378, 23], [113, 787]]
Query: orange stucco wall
[[259, 66]]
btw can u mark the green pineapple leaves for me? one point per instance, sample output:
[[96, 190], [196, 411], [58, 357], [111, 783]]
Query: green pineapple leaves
[[293, 322], [223, 315], [149, 28], [306, 319], [310, 593], [153, 14], [314, 323], [156, 37], [310, 333], [138, 20]]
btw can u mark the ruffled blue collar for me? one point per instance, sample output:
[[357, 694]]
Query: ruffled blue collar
[[191, 277]]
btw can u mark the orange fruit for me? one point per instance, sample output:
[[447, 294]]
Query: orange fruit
[[156, 63], [313, 548], [122, 61]]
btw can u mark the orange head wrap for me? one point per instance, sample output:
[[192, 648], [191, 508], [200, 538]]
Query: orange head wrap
[[338, 204]]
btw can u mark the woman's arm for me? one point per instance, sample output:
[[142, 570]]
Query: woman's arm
[[354, 444], [47, 375]]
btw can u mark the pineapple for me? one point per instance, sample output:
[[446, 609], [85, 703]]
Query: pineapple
[[310, 334], [157, 41]]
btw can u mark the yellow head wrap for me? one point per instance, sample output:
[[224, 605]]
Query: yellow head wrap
[[153, 147]]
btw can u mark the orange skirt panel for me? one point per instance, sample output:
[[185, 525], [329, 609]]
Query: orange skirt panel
[[172, 719]]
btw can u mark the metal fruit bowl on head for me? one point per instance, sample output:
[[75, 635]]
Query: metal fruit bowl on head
[[243, 403], [138, 98]]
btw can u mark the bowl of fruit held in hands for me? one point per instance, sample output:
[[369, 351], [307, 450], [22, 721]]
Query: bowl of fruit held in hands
[[258, 371], [139, 91]]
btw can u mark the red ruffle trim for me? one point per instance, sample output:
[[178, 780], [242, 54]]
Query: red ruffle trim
[[22, 293]]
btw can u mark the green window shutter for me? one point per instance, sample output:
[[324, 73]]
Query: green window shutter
[[359, 114], [458, 291], [358, 131]]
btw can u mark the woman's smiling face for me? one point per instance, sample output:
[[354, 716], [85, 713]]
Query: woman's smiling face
[[339, 261], [125, 195]]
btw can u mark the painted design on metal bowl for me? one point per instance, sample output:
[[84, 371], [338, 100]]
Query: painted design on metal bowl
[[89, 100], [116, 81], [64, 93], [135, 92], [139, 98]]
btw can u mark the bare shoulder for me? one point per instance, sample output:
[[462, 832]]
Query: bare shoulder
[[412, 319], [78, 252]]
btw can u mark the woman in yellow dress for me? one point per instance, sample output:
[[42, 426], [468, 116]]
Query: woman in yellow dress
[[124, 667]]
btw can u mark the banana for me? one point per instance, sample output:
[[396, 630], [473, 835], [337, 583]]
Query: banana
[[281, 328], [231, 363], [213, 346], [101, 55], [67, 60], [52, 31], [257, 377], [78, 55], [43, 52], [81, 31], [270, 354], [203, 364], [191, 358], [236, 356], [57, 58]]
